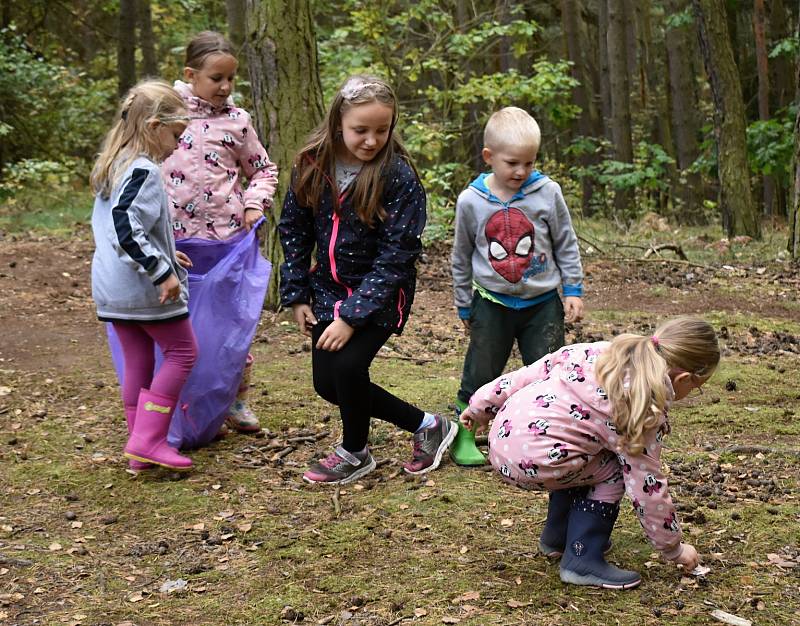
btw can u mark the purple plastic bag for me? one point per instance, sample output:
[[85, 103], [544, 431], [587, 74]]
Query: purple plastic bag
[[227, 286]]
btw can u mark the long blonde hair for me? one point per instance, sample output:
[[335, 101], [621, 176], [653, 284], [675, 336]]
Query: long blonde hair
[[633, 369], [316, 161], [133, 134]]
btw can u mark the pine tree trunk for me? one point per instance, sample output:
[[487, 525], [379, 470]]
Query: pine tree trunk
[[287, 96], [146, 39], [570, 14], [762, 67], [126, 46], [683, 112], [602, 47], [794, 213], [620, 100], [739, 215]]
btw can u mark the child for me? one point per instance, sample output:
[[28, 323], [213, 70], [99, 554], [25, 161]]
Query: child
[[587, 423], [138, 283], [204, 176], [357, 198], [514, 245]]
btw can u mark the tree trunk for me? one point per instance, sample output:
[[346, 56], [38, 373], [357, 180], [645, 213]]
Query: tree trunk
[[781, 70], [126, 46], [503, 16], [794, 213], [235, 11], [739, 216], [570, 14], [620, 99], [762, 67], [472, 140], [683, 111], [146, 39], [602, 47], [281, 53]]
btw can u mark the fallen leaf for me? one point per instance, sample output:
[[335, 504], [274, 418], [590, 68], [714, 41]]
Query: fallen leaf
[[76, 525], [506, 522], [447, 619], [467, 597], [515, 604], [53, 547], [463, 549], [244, 527], [173, 585], [136, 597]]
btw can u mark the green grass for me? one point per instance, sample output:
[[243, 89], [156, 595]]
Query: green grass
[[46, 212]]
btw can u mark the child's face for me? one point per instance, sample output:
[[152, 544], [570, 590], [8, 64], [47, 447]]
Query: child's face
[[683, 383], [214, 81], [365, 131], [511, 166], [167, 135]]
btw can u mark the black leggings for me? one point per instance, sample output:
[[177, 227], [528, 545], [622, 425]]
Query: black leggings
[[343, 378]]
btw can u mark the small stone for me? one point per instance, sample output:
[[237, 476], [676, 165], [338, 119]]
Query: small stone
[[71, 497], [736, 515], [730, 385], [679, 604], [70, 515], [13, 441], [109, 519]]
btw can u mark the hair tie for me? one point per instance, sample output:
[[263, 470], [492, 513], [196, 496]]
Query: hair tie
[[656, 341]]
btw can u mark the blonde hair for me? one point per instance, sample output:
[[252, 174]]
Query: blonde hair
[[512, 127], [203, 45], [133, 134], [633, 369], [316, 161]]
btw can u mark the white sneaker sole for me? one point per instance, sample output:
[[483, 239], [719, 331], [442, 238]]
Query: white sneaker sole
[[448, 439]]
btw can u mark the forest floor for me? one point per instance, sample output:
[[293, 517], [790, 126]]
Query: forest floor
[[242, 540]]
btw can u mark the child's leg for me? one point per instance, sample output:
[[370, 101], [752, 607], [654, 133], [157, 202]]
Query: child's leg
[[179, 347], [240, 416], [139, 358], [491, 338], [342, 378], [540, 329]]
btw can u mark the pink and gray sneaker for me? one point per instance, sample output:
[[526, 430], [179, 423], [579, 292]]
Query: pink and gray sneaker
[[340, 467], [429, 446]]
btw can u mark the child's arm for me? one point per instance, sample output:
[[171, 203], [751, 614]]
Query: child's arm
[[647, 487], [398, 248], [567, 256], [296, 232], [262, 175], [461, 258], [136, 209]]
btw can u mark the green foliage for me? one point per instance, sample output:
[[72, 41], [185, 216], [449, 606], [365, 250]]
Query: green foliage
[[789, 47], [770, 145], [50, 111]]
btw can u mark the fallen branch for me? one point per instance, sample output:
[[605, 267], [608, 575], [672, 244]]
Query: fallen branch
[[337, 507], [279, 455], [656, 248], [660, 260], [406, 358], [760, 450]]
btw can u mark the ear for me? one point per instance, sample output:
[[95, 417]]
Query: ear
[[683, 377], [188, 74], [153, 123], [486, 153]]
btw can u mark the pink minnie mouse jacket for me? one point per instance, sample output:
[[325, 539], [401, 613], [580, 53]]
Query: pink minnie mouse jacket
[[203, 176]]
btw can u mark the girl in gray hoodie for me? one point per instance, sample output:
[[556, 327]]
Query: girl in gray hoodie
[[138, 282]]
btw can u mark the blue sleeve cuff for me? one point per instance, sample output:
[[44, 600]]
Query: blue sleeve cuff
[[573, 290], [463, 312]]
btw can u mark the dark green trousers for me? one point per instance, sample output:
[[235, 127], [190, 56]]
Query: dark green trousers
[[538, 330]]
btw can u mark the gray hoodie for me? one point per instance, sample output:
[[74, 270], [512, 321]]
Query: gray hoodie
[[135, 249], [521, 249]]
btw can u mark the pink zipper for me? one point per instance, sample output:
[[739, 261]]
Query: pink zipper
[[401, 302], [332, 258]]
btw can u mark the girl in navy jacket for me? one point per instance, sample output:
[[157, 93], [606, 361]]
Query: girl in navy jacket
[[356, 197]]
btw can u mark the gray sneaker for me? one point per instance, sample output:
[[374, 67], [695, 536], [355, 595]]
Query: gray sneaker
[[429, 446], [340, 467]]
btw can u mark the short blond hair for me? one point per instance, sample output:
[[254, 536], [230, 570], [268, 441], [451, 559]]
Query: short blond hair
[[512, 127]]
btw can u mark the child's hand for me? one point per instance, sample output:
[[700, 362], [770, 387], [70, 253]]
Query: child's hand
[[474, 420], [304, 317], [573, 309], [689, 558], [467, 327], [183, 260], [170, 289], [335, 336], [251, 216]]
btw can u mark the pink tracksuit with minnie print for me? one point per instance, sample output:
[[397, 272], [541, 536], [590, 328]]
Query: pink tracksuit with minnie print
[[553, 429], [203, 176]]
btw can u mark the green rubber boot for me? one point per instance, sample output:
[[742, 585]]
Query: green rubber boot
[[463, 450]]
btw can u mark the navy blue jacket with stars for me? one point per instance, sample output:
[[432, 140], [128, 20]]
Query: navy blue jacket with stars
[[365, 275]]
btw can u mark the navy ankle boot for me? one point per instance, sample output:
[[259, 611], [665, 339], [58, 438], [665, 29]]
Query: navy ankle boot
[[554, 533], [588, 531]]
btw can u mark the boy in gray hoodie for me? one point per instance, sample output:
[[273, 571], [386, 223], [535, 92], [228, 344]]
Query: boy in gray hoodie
[[514, 245]]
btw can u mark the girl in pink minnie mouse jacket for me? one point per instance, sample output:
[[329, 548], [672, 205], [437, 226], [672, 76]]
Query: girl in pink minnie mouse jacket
[[587, 423], [203, 177]]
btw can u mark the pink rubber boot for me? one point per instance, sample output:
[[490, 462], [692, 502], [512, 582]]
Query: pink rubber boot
[[130, 418], [148, 441]]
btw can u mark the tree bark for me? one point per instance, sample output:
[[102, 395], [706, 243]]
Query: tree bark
[[683, 111], [602, 46], [620, 99], [762, 68], [570, 14], [126, 46], [794, 213], [146, 39], [281, 53], [236, 12], [739, 216]]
